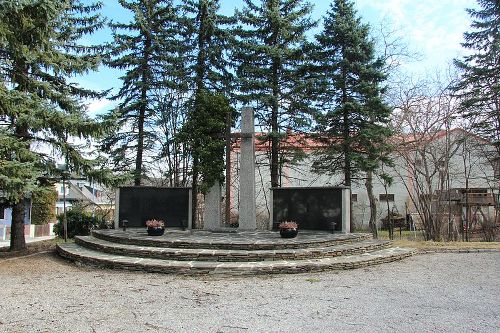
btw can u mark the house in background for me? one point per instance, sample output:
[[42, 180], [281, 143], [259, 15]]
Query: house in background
[[419, 161], [6, 213], [6, 218], [90, 195]]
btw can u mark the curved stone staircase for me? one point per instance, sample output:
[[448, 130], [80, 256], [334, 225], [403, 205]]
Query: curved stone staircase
[[235, 253]]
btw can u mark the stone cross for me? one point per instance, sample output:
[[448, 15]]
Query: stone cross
[[212, 211], [247, 218]]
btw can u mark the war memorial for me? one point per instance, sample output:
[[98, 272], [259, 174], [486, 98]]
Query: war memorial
[[324, 241]]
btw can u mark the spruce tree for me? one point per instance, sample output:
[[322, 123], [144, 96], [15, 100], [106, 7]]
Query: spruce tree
[[354, 119], [209, 37], [146, 49], [271, 56], [479, 83], [39, 107]]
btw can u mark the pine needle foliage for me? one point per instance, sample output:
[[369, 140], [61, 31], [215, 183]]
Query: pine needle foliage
[[353, 122], [354, 119], [209, 37], [479, 83], [147, 49], [271, 58], [39, 105]]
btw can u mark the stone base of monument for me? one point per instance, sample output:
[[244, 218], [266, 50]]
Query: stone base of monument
[[241, 253]]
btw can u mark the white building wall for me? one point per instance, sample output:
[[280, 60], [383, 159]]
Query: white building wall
[[480, 173]]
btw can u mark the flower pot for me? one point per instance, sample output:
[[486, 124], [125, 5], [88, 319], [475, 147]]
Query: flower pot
[[288, 233], [155, 231]]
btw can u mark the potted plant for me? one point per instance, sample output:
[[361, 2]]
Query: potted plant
[[288, 229], [155, 227]]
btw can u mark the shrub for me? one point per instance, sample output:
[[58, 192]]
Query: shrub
[[43, 205], [80, 223]]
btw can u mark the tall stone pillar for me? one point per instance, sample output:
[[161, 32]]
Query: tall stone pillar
[[346, 210], [211, 213], [247, 219]]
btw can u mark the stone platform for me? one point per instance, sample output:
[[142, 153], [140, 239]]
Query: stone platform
[[238, 253]]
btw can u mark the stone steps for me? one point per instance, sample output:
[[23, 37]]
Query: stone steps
[[84, 255], [229, 241], [229, 255], [235, 253]]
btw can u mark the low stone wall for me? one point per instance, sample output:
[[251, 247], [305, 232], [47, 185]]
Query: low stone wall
[[30, 230]]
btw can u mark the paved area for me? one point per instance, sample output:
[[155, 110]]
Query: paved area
[[445, 292]]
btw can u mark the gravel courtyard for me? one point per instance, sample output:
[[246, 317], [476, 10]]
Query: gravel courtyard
[[426, 293]]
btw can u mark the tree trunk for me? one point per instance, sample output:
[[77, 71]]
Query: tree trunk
[[227, 213], [389, 214], [373, 204], [203, 38], [274, 117], [194, 197], [142, 112], [347, 157], [345, 142], [17, 241], [140, 148], [274, 147]]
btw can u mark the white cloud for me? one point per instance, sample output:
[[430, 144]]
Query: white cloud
[[432, 28], [99, 106]]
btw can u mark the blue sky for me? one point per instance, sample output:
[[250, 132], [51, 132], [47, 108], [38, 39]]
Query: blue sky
[[431, 28]]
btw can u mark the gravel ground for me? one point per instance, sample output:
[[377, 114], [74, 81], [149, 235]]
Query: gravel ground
[[444, 292]]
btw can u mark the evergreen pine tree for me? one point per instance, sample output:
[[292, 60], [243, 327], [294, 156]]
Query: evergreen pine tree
[[271, 55], [479, 84], [354, 119], [39, 107], [147, 49], [209, 37]]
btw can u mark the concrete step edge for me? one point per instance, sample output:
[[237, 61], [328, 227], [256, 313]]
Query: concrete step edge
[[82, 255], [131, 239], [223, 255]]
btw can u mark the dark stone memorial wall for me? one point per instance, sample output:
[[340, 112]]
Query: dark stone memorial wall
[[313, 208], [137, 204]]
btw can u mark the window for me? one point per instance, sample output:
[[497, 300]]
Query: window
[[354, 197], [386, 197], [61, 190]]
